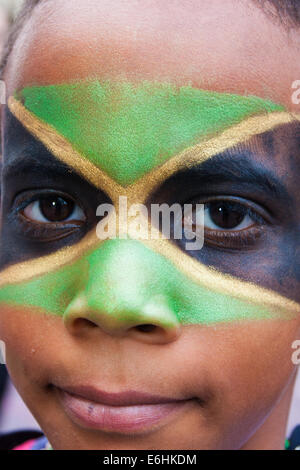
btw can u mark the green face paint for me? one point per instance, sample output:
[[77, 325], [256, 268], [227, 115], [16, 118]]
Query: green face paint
[[127, 130], [120, 278]]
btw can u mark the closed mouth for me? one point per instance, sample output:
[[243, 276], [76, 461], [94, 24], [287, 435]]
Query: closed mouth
[[125, 412]]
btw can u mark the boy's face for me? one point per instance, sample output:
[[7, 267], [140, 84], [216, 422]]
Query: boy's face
[[103, 97]]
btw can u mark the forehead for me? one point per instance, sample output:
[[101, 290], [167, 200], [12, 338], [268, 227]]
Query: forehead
[[228, 46]]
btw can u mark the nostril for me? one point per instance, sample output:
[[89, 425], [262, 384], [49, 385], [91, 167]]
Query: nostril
[[146, 328], [80, 323], [154, 334]]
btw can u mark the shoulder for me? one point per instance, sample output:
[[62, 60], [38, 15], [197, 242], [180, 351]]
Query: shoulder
[[22, 440], [293, 442]]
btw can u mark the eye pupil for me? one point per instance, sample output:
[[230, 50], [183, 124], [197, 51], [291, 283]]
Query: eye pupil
[[55, 208], [226, 215]]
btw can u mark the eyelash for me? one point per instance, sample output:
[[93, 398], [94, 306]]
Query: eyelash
[[236, 239], [38, 231]]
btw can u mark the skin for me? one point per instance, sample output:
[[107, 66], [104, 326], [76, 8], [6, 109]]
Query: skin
[[216, 364]]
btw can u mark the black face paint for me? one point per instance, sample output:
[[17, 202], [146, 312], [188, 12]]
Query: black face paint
[[260, 177], [31, 173]]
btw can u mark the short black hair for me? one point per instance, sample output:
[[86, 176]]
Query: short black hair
[[287, 12]]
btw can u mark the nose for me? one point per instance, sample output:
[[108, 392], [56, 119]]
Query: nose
[[123, 296]]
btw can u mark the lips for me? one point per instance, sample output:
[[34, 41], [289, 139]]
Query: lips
[[126, 412]]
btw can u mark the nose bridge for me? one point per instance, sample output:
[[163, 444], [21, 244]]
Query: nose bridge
[[121, 275], [123, 289]]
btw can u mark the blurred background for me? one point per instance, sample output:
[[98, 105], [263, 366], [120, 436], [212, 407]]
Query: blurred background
[[8, 12], [14, 415]]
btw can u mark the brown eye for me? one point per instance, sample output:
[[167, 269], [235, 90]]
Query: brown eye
[[227, 224], [53, 209], [225, 215], [56, 209]]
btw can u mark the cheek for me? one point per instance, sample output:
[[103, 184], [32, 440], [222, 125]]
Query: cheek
[[247, 369], [33, 341], [260, 354], [251, 371]]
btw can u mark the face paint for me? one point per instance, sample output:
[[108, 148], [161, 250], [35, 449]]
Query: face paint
[[128, 130], [126, 139], [131, 268]]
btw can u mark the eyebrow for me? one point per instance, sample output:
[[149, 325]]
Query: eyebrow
[[27, 162], [238, 166], [232, 166]]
